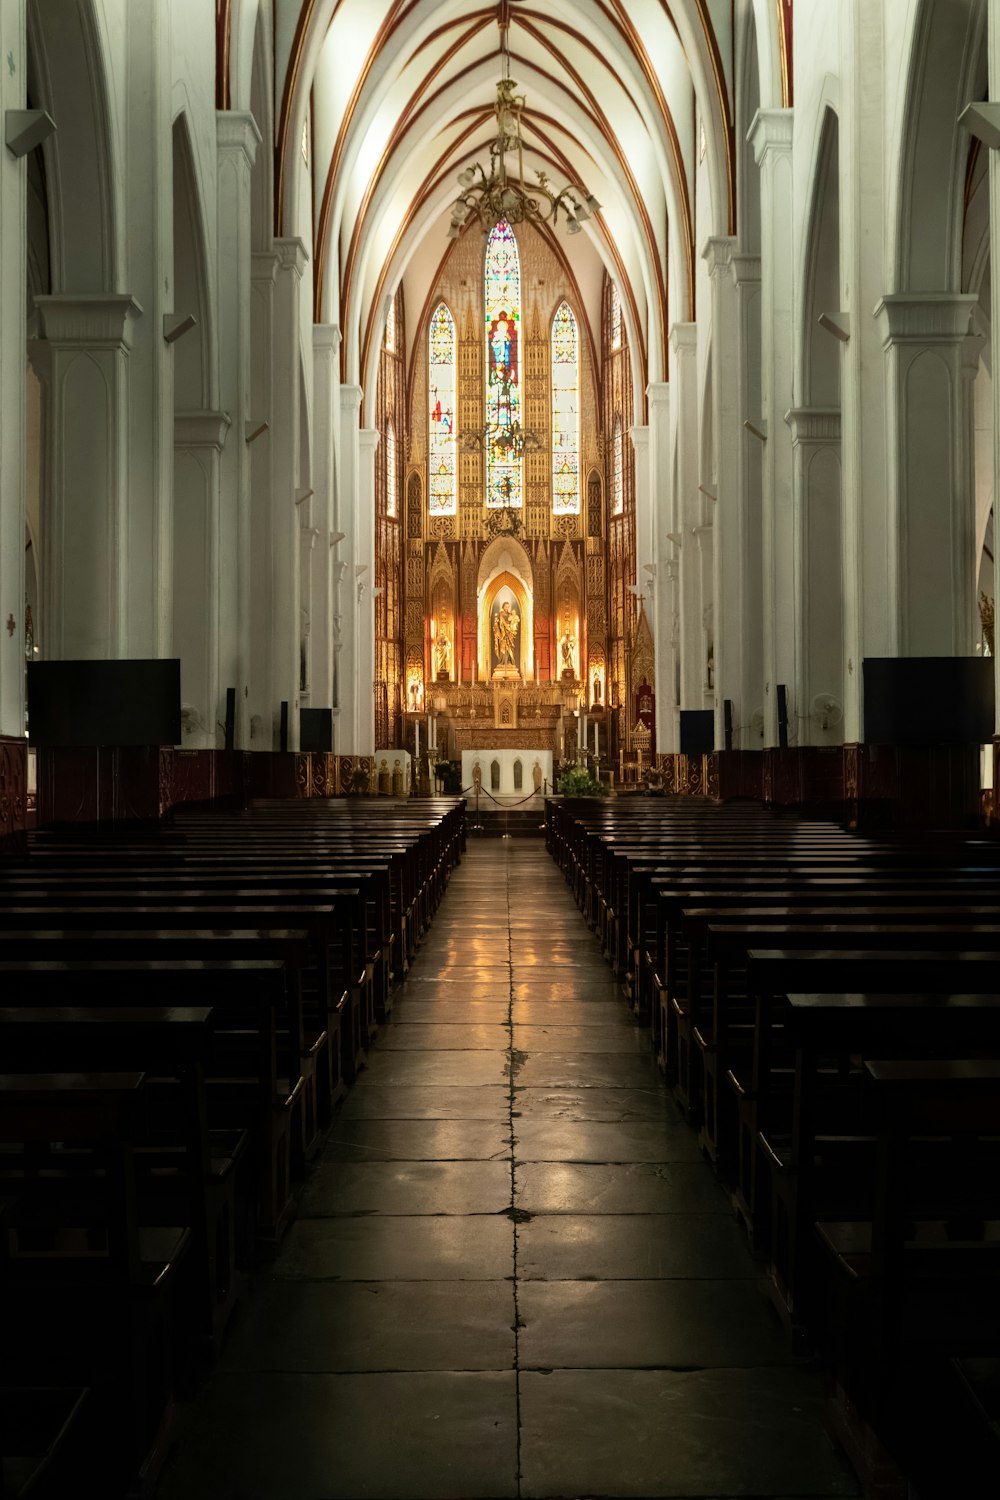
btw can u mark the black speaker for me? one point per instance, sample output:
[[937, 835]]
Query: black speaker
[[230, 718], [697, 731], [727, 721], [315, 728], [283, 731], [782, 716]]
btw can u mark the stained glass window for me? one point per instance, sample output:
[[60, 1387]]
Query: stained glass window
[[565, 413], [391, 488], [617, 471], [390, 327], [443, 499], [503, 366], [616, 318]]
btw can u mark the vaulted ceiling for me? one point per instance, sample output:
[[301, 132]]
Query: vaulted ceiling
[[401, 94]]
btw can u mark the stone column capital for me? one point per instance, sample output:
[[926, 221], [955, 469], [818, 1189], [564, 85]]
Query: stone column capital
[[263, 265], [368, 437], [683, 337], [326, 336], [658, 396], [351, 397], [201, 429], [924, 317], [237, 133], [770, 134], [88, 320], [744, 268], [291, 254], [640, 439], [819, 425], [718, 251]]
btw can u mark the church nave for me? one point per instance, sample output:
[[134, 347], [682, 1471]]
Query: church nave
[[512, 1273]]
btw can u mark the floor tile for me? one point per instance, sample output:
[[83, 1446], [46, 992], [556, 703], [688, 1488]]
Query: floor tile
[[622, 1247], [436, 1069], [375, 1325], [624, 1139], [584, 1069], [443, 1248], [663, 1433], [422, 1101], [417, 1140], [680, 1324], [408, 1033], [406, 1187], [600, 1038], [632, 1188], [564, 1103], [427, 1436]]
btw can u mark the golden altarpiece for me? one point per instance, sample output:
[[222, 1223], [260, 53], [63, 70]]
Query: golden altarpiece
[[505, 525]]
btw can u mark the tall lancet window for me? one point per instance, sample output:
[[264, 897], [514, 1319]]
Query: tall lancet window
[[390, 327], [443, 495], [391, 473], [617, 470], [503, 367], [565, 413], [616, 318]]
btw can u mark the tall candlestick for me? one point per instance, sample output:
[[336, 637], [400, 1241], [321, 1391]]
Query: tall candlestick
[[416, 746]]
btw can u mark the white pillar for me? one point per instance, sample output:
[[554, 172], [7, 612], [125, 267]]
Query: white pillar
[[687, 511], [292, 258], [727, 573], [345, 588], [326, 347], [258, 435], [771, 138], [364, 735], [237, 140], [13, 244], [147, 205], [83, 359], [994, 170], [199, 442], [820, 607], [931, 504], [868, 627], [662, 613]]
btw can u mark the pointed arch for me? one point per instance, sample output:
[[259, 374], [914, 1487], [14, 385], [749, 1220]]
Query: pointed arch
[[442, 488], [565, 351]]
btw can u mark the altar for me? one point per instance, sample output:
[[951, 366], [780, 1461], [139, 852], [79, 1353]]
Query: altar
[[507, 772]]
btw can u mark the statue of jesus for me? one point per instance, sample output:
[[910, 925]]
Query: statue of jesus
[[505, 627]]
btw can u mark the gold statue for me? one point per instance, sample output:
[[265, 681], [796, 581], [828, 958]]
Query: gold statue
[[442, 655], [505, 628], [566, 646]]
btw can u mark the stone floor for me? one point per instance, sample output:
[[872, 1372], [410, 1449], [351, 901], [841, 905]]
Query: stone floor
[[511, 1274]]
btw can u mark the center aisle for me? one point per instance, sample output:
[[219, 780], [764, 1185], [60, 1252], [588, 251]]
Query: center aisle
[[512, 1273]]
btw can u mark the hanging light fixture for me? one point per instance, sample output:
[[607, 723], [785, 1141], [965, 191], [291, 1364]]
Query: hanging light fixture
[[490, 197]]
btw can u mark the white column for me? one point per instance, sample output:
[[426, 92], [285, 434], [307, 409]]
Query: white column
[[662, 612], [771, 138], [292, 258], [727, 572], [868, 623], [258, 435], [199, 442], [704, 535], [83, 360], [326, 347], [13, 243], [364, 734], [931, 505], [820, 613], [994, 170], [238, 140], [148, 208], [687, 510]]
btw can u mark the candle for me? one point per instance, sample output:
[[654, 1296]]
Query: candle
[[416, 748]]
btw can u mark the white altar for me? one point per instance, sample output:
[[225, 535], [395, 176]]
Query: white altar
[[504, 781]]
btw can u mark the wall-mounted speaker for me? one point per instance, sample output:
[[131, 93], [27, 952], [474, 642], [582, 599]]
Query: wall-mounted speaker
[[230, 718], [283, 730], [782, 716], [727, 721]]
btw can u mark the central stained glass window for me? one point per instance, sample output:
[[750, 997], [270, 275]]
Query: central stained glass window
[[503, 368], [565, 413]]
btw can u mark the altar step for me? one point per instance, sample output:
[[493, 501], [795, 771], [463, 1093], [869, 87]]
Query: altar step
[[495, 822]]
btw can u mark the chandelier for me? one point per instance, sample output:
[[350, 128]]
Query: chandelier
[[505, 436], [490, 197]]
